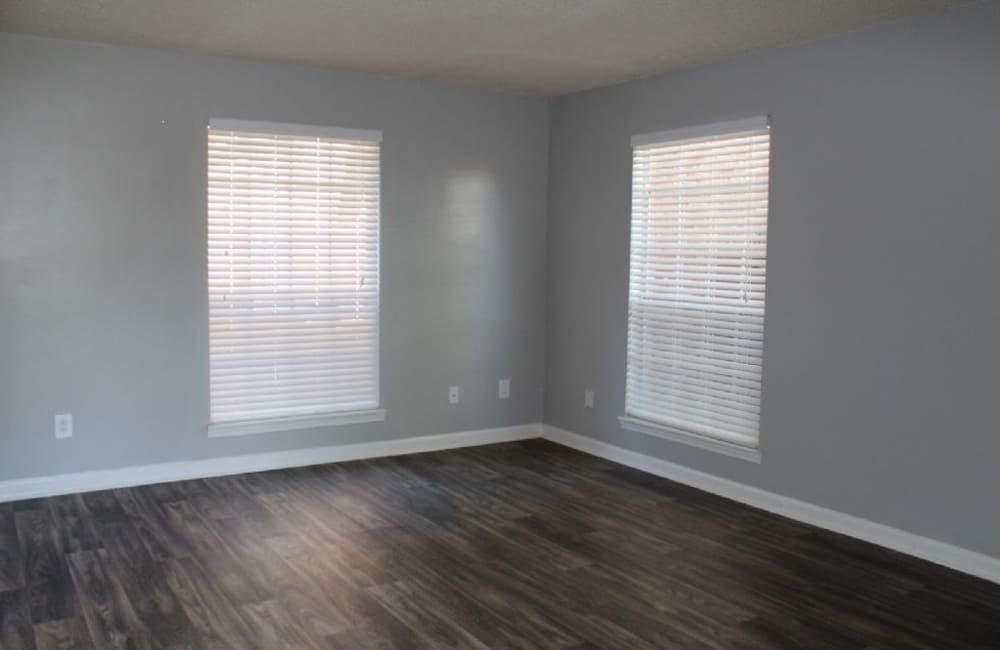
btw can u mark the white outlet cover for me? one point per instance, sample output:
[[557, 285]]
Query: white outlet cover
[[588, 398], [503, 391], [63, 424], [453, 394]]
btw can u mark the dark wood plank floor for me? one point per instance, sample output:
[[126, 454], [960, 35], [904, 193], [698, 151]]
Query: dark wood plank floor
[[524, 545]]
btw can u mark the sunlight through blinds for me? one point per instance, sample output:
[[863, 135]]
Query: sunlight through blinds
[[697, 277], [293, 270]]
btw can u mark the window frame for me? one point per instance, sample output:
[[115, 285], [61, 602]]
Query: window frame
[[226, 428], [741, 450]]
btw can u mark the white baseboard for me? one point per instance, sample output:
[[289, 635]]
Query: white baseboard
[[948, 555], [954, 557], [44, 486]]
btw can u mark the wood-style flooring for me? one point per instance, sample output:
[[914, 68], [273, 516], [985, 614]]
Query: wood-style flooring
[[522, 545]]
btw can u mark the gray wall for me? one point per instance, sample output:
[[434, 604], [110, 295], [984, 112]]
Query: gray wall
[[102, 239], [881, 355]]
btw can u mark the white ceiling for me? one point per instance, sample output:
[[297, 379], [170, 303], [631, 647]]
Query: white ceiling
[[528, 46]]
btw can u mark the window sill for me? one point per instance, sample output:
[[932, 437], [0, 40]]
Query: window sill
[[734, 449], [271, 425]]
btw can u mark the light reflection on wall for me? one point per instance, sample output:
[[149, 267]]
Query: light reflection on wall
[[475, 215], [471, 207]]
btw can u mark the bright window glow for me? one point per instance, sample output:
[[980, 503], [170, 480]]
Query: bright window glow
[[293, 271], [697, 278]]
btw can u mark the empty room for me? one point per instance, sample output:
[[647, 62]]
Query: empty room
[[572, 324]]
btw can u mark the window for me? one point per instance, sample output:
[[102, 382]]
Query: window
[[696, 285], [293, 276]]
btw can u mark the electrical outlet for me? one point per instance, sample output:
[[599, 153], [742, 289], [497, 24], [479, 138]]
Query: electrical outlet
[[453, 394], [588, 398], [503, 392], [64, 425]]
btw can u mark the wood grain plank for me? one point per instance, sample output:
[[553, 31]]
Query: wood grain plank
[[11, 560], [74, 523], [519, 545], [214, 557], [424, 617], [66, 634], [215, 620], [156, 606], [144, 514], [298, 594], [47, 578], [16, 632], [273, 625], [111, 621]]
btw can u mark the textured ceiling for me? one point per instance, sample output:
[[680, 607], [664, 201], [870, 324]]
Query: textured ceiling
[[527, 46]]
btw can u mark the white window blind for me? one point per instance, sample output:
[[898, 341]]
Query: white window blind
[[293, 270], [697, 276]]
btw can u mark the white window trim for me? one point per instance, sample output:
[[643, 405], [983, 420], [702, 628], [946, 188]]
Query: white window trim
[[272, 425], [742, 450], [733, 449], [306, 130]]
